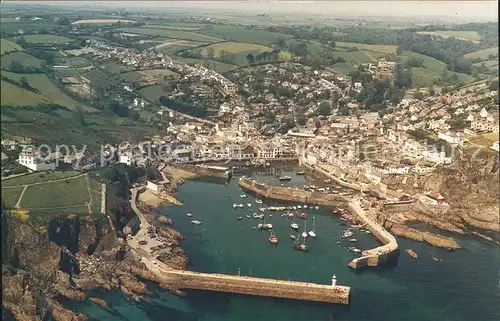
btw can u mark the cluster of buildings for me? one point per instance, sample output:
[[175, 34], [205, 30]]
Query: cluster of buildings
[[381, 69]]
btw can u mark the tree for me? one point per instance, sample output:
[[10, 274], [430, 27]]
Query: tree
[[64, 21], [418, 95], [493, 85], [280, 42], [432, 91], [251, 59], [210, 53], [323, 108], [301, 120], [399, 50], [23, 81], [299, 49], [80, 115]]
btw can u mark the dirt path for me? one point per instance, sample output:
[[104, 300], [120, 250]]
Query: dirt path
[[18, 204], [45, 182], [89, 203]]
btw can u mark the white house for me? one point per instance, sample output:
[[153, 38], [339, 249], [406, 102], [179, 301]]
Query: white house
[[495, 146], [450, 137], [32, 159], [126, 158], [155, 186]]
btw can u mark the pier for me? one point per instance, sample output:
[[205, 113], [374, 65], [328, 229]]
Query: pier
[[332, 293], [379, 255], [292, 194]]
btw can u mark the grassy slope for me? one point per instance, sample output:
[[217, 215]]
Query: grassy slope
[[49, 93], [217, 66], [37, 178], [23, 58], [46, 39], [241, 34], [11, 195], [176, 34], [8, 46], [483, 54], [379, 48]]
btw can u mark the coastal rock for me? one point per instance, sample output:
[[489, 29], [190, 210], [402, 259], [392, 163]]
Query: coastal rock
[[87, 237], [428, 237], [132, 284], [165, 220], [60, 313], [412, 253], [170, 234], [100, 302]]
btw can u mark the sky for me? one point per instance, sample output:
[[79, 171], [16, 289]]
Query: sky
[[457, 10]]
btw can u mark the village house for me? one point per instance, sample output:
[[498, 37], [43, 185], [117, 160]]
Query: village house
[[155, 186], [32, 159]]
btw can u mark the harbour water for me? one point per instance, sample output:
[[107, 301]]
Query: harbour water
[[464, 286]]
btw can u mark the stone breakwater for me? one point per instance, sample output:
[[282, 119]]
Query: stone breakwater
[[292, 194], [203, 170], [257, 286], [378, 255]]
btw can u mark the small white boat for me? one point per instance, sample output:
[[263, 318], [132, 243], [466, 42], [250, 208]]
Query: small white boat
[[304, 206], [295, 226], [248, 216], [299, 207], [367, 232], [195, 222], [353, 240], [293, 237], [240, 218], [346, 234], [258, 201], [262, 209], [243, 196], [354, 249], [249, 205], [317, 207], [304, 234], [294, 208], [255, 215], [312, 234], [189, 215]]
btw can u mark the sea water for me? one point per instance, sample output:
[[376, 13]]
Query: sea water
[[464, 286]]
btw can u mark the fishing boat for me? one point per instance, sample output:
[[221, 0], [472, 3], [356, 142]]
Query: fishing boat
[[353, 240], [260, 216], [258, 201], [300, 246], [243, 195], [240, 218], [273, 239], [317, 207], [313, 233], [195, 222], [304, 234], [189, 215], [249, 205], [346, 234], [294, 226], [299, 173], [303, 216], [284, 178], [354, 249], [248, 216], [292, 236]]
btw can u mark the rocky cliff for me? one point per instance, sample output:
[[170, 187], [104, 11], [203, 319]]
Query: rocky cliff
[[470, 187]]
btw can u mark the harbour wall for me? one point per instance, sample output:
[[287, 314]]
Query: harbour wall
[[379, 255], [337, 180], [257, 286], [292, 194], [204, 171]]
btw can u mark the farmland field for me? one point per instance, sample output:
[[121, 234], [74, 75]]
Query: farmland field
[[70, 192], [112, 68], [21, 57], [157, 73], [38, 177], [99, 77], [483, 54], [49, 39], [240, 49], [356, 57], [7, 46], [212, 64], [100, 21], [176, 27], [11, 28], [176, 34], [131, 76], [49, 93], [242, 34], [379, 48], [342, 67], [153, 93], [11, 195], [461, 35]]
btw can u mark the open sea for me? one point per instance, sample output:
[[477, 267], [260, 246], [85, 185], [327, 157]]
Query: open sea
[[464, 286]]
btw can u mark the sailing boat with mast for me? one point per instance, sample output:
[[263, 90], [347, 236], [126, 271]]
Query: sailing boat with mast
[[300, 246], [273, 239], [313, 233], [304, 234]]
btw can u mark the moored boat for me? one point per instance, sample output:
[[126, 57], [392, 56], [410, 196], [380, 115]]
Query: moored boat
[[354, 249], [294, 226], [303, 216], [195, 222], [353, 240], [284, 178], [313, 233], [299, 173], [249, 205], [240, 218], [258, 201], [292, 236], [346, 234], [304, 234], [273, 239], [189, 215], [300, 246]]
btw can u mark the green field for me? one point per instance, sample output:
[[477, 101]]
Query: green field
[[7, 46], [21, 57], [242, 34], [132, 76], [356, 57], [157, 73], [112, 68], [212, 64], [99, 77], [10, 196], [38, 178], [389, 49], [461, 35], [172, 49], [175, 34], [153, 93], [75, 62], [48, 39], [70, 192], [239, 49], [176, 27], [49, 93], [342, 67], [483, 54], [11, 28]]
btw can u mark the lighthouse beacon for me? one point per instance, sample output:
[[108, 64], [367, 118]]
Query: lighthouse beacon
[[334, 280]]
